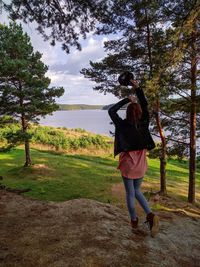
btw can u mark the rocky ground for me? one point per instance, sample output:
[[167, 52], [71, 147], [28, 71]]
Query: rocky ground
[[88, 233]]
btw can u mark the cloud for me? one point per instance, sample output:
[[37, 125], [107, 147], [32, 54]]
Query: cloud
[[64, 69], [78, 90], [92, 50]]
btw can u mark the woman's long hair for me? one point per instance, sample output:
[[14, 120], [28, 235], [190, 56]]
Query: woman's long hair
[[133, 113]]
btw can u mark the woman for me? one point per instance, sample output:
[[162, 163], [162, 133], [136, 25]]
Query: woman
[[132, 140]]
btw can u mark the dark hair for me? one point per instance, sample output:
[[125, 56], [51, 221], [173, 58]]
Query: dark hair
[[133, 113]]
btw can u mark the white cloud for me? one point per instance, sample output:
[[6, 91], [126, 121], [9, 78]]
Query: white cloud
[[92, 49], [78, 90]]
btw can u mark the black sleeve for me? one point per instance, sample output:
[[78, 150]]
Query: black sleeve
[[143, 103], [113, 110]]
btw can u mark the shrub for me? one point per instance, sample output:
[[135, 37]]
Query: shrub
[[54, 137]]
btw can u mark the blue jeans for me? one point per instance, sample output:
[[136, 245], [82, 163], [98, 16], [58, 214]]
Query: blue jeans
[[132, 187]]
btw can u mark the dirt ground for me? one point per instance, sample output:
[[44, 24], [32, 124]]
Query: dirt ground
[[88, 233]]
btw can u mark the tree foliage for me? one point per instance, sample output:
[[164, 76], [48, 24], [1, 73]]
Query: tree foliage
[[59, 21], [186, 17]]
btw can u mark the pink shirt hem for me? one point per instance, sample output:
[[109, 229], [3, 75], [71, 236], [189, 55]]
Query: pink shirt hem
[[133, 164]]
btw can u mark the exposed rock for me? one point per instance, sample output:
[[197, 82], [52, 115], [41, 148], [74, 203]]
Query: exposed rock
[[88, 233]]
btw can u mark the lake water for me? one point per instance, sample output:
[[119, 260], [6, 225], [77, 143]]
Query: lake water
[[95, 121]]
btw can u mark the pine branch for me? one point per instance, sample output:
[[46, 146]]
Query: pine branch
[[175, 119], [178, 93], [171, 139]]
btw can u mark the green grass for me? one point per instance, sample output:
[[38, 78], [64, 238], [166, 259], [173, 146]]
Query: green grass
[[60, 177], [177, 173]]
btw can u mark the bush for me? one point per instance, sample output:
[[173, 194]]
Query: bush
[[11, 135], [155, 153], [79, 130], [60, 139], [54, 137]]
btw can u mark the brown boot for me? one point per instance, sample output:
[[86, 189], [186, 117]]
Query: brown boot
[[153, 222], [134, 223]]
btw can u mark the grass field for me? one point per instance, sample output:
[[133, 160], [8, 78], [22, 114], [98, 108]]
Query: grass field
[[60, 177]]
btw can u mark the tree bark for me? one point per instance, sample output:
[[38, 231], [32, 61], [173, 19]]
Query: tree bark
[[26, 143], [149, 46], [27, 154], [24, 125], [192, 161], [163, 162]]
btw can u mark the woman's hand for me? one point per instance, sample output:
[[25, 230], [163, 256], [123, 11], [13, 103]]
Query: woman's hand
[[135, 84], [132, 98]]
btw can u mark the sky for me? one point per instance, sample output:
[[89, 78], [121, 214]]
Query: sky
[[64, 69]]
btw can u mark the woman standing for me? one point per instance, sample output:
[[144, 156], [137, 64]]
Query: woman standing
[[132, 140]]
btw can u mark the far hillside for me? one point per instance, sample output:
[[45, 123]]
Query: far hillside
[[79, 107], [85, 107]]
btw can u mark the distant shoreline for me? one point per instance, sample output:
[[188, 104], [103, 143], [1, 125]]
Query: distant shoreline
[[82, 107]]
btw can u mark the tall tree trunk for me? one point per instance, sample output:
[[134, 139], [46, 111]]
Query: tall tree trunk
[[149, 46], [27, 154], [26, 143], [192, 161], [163, 162], [24, 129]]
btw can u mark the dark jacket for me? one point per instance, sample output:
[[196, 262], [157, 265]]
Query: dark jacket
[[128, 137]]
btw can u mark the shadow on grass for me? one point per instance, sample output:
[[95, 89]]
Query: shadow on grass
[[179, 163], [95, 159], [60, 177]]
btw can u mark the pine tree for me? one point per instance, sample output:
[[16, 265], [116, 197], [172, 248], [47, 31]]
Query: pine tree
[[24, 89], [185, 17]]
